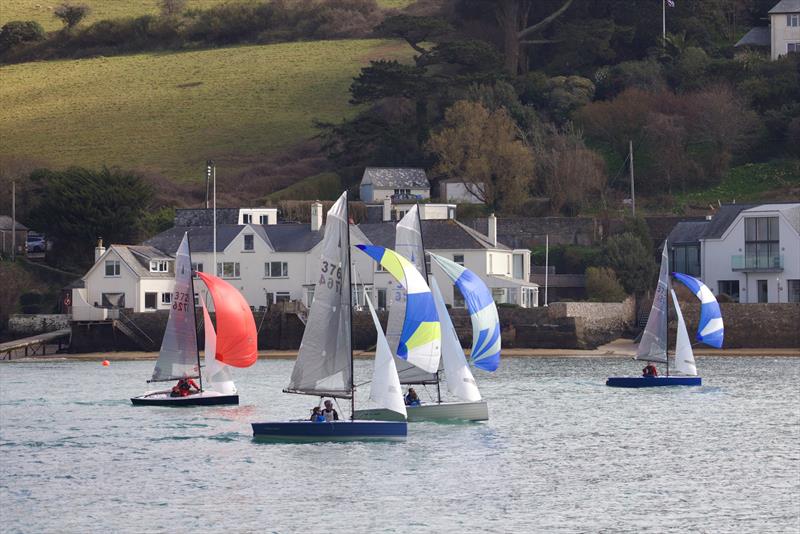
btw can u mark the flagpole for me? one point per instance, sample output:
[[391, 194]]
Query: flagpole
[[664, 23]]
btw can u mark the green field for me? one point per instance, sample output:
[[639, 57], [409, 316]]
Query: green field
[[169, 112], [42, 10]]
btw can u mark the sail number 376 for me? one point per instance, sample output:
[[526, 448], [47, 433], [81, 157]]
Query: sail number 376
[[331, 276]]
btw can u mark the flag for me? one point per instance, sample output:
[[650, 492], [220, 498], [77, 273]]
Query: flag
[[671, 3]]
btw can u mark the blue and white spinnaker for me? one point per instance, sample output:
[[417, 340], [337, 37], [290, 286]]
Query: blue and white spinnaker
[[710, 330], [482, 311]]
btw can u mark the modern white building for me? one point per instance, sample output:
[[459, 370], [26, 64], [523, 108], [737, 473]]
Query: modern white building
[[784, 23], [278, 262], [749, 252], [460, 192], [380, 183]]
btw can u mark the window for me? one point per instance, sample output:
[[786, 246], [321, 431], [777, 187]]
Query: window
[[793, 48], [276, 269], [248, 242], [247, 218], [197, 267], [381, 299], [379, 268], [427, 265], [686, 259], [763, 291], [228, 269], [166, 298], [196, 299], [113, 300], [761, 250], [112, 268], [281, 297], [499, 295], [402, 191], [519, 267], [458, 299], [730, 288], [263, 219], [310, 295], [508, 265], [793, 286], [159, 266], [459, 259], [793, 20], [150, 301]]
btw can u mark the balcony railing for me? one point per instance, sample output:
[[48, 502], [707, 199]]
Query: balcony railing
[[741, 262]]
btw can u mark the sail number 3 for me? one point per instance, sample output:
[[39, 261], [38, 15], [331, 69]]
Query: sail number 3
[[331, 276], [180, 301]]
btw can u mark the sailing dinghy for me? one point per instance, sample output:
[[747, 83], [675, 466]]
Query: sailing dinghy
[[233, 344], [654, 343], [324, 365]]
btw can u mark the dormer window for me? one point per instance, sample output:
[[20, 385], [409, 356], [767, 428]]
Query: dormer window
[[159, 266], [248, 242], [247, 218]]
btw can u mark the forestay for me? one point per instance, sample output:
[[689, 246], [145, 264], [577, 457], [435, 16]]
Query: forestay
[[485, 352], [711, 330], [653, 346], [178, 355], [460, 381], [217, 375], [385, 388], [684, 357], [420, 338], [323, 365], [407, 243]]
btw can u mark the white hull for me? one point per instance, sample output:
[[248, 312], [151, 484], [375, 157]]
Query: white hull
[[446, 411]]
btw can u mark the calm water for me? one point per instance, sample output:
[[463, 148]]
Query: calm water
[[561, 453]]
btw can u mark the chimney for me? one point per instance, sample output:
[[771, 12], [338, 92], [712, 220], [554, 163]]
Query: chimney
[[99, 250], [493, 230], [387, 209], [316, 216]]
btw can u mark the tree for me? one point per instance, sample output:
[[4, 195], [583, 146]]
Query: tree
[[415, 31], [632, 262], [602, 285], [20, 31], [482, 148], [71, 14], [75, 206], [512, 15]]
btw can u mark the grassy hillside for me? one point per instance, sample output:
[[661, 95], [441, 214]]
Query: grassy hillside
[[42, 11], [169, 112]]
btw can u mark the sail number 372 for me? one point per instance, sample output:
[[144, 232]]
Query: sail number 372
[[180, 301]]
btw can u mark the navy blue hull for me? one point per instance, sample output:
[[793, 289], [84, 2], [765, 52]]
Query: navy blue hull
[[185, 401], [652, 381], [335, 431]]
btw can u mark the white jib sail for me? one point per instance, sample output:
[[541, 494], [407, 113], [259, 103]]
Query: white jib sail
[[323, 362], [460, 381], [653, 346], [217, 375], [684, 356], [178, 355], [385, 388]]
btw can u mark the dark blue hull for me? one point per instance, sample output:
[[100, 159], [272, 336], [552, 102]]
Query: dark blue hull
[[305, 431], [192, 400], [652, 381]]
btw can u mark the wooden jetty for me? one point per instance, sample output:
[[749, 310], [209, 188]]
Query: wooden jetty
[[35, 345]]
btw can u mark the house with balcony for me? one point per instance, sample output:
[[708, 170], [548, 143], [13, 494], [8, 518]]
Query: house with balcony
[[396, 184], [749, 252]]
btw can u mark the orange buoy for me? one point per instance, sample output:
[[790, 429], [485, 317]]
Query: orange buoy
[[106, 363]]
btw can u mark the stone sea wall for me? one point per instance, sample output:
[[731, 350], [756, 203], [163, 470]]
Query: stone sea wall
[[751, 325], [24, 325]]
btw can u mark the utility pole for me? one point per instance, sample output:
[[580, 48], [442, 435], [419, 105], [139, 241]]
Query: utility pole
[[633, 190], [13, 221]]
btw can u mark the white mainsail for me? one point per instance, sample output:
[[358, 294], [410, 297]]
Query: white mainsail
[[217, 375], [653, 346], [684, 356], [460, 381], [178, 355], [385, 388], [408, 243], [323, 365]]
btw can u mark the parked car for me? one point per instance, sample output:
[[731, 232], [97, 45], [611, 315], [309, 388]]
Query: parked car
[[35, 243]]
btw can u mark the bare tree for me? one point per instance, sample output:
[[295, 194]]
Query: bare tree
[[71, 14], [512, 15]]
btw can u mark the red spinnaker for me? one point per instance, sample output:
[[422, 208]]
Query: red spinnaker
[[236, 328]]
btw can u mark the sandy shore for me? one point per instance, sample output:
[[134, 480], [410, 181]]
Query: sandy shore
[[620, 348]]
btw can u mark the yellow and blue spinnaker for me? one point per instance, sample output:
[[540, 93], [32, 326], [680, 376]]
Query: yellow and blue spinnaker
[[421, 336]]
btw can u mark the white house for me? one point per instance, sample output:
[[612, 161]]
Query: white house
[[460, 192], [784, 22], [379, 183], [782, 36], [750, 252]]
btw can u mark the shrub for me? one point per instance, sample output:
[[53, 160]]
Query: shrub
[[602, 285], [71, 14], [632, 262], [30, 299], [20, 31]]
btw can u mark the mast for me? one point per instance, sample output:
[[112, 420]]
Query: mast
[[194, 314], [666, 315], [427, 281], [350, 302]]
